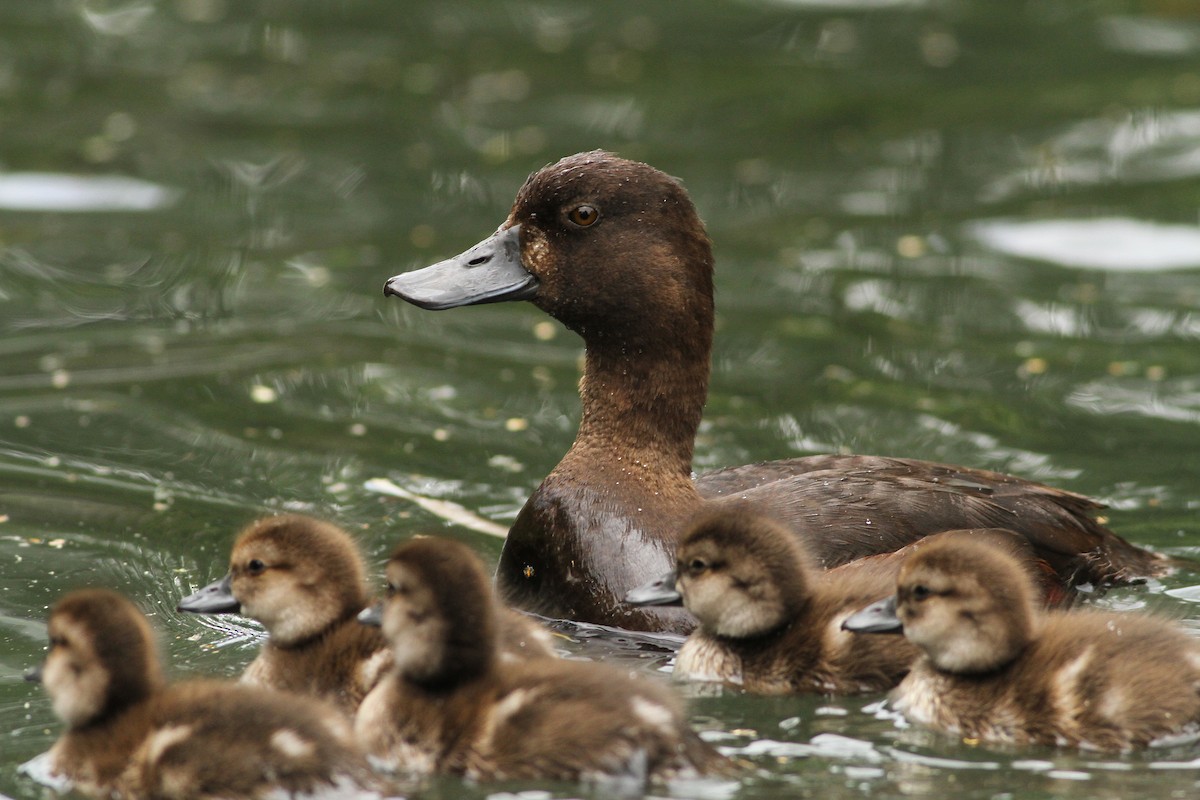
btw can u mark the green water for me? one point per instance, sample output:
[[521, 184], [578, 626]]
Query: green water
[[179, 357]]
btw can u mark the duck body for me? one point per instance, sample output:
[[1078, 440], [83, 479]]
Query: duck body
[[451, 705], [131, 735], [614, 250], [994, 668]]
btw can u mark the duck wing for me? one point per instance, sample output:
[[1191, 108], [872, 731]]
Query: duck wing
[[848, 507]]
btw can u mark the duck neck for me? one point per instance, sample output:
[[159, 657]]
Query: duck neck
[[643, 396]]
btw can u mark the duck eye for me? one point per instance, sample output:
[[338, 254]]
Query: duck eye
[[255, 567], [697, 565], [921, 592], [584, 216]]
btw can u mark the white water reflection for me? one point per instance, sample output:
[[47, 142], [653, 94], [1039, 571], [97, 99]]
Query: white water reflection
[[1149, 36], [50, 191], [1140, 147], [1111, 243], [1174, 403]]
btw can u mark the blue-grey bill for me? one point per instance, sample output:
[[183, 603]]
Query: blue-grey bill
[[879, 617], [216, 598], [489, 272], [658, 592]]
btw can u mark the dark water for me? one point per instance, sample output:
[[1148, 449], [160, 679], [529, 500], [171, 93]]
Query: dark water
[[964, 231]]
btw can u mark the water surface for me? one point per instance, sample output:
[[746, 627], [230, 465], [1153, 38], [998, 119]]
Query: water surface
[[961, 230]]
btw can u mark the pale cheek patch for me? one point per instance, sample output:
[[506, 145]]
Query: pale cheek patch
[[76, 698], [288, 613], [291, 744], [416, 647]]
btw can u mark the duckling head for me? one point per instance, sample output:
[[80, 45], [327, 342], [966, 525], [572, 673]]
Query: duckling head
[[297, 576], [102, 657], [968, 605], [437, 613], [740, 573]]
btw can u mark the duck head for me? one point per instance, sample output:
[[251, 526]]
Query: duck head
[[968, 604], [101, 659], [603, 244], [437, 613], [294, 574], [739, 573]]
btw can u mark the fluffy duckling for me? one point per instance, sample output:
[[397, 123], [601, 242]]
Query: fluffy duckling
[[768, 619], [130, 735], [995, 668], [304, 580], [451, 705]]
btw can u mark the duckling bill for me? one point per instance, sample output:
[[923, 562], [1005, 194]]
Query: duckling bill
[[615, 251]]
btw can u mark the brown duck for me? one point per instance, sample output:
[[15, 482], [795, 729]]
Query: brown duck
[[614, 250]]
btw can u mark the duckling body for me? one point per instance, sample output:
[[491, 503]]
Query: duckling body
[[452, 706], [994, 668], [130, 735], [768, 620], [615, 251], [304, 580]]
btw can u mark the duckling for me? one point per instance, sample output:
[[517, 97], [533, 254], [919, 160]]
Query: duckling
[[769, 620], [451, 705], [994, 668], [128, 734], [614, 250], [304, 580]]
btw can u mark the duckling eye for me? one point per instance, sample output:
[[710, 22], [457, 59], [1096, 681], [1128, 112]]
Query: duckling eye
[[584, 216], [255, 567], [921, 592], [697, 565]]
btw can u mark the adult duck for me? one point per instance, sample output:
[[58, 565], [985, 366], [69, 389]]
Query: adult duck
[[615, 251]]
